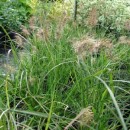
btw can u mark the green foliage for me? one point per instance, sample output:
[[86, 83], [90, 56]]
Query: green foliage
[[16, 12], [50, 86], [57, 9], [111, 14], [31, 4]]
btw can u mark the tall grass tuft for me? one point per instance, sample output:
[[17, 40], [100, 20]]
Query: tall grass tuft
[[52, 89]]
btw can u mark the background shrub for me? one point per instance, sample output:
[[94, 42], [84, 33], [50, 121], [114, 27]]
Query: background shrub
[[16, 12], [111, 15]]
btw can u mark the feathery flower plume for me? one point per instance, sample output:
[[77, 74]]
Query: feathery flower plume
[[85, 117], [93, 17]]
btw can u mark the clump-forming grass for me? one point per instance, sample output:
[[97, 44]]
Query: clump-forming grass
[[52, 89]]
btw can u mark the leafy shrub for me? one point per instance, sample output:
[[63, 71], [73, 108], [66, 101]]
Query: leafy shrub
[[57, 9], [31, 4], [110, 14], [16, 12]]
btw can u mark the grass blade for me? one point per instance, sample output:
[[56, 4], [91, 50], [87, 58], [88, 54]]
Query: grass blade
[[115, 103]]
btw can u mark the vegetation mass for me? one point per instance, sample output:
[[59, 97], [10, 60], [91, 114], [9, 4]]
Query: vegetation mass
[[66, 68]]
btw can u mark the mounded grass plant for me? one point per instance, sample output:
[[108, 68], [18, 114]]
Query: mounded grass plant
[[51, 87], [55, 89]]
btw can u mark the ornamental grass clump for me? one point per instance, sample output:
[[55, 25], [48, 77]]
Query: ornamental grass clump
[[88, 45]]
